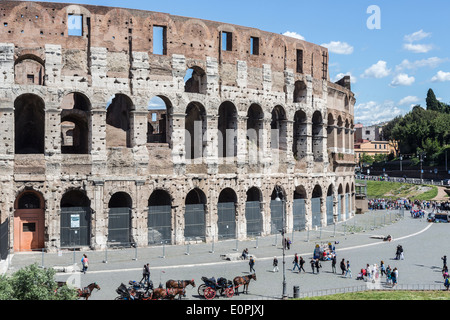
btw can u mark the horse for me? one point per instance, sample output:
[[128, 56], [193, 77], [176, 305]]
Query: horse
[[245, 280], [169, 294], [87, 291]]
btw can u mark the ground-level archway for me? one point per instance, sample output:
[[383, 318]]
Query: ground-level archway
[[159, 218], [75, 220], [29, 222]]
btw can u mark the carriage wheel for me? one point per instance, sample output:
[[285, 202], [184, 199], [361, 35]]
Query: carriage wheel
[[229, 292], [210, 293], [201, 290]]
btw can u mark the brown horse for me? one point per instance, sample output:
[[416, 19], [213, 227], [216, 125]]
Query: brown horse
[[179, 283], [166, 294], [245, 281], [87, 291]]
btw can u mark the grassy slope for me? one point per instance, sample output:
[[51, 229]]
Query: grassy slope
[[395, 190]]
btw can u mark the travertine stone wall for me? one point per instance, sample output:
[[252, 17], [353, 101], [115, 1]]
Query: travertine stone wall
[[115, 56]]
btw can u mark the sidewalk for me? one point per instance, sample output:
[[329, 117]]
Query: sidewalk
[[356, 231]]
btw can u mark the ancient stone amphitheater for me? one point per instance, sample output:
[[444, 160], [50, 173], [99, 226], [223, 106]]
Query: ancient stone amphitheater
[[124, 127]]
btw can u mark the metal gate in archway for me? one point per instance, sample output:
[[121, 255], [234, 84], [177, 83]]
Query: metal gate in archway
[[119, 226], [347, 207], [316, 213], [226, 222], [299, 214], [75, 227], [276, 216], [159, 224], [194, 222], [254, 218], [330, 219], [339, 208]]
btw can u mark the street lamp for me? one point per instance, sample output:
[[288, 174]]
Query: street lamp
[[283, 230], [422, 155]]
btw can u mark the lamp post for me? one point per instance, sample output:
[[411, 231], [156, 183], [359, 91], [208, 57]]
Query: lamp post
[[422, 155], [283, 231]]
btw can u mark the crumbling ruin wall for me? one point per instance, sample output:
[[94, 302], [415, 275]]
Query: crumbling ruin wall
[[112, 58]]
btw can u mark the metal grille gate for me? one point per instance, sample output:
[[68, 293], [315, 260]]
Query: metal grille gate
[[330, 219], [75, 227], [299, 214], [254, 218], [339, 208], [276, 216], [194, 222], [4, 239], [159, 224], [226, 222], [347, 207], [119, 226], [316, 213]]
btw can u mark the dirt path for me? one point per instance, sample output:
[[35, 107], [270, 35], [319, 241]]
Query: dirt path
[[442, 195]]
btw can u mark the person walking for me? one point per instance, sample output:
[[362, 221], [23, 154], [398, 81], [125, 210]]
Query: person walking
[[382, 268], [302, 262], [318, 265], [313, 264], [145, 274], [348, 270], [84, 263], [444, 261], [251, 263], [402, 257], [333, 264], [342, 266], [295, 262]]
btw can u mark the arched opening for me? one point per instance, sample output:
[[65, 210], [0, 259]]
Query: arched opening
[[340, 202], [340, 135], [331, 130], [300, 143], [118, 122], [347, 202], [195, 80], [195, 216], [159, 122], [316, 206], [300, 91], [277, 210], [29, 121], [119, 222], [75, 130], [75, 220], [317, 136], [159, 217], [330, 202], [226, 214], [195, 130], [29, 70], [278, 129], [29, 222], [299, 208], [253, 213], [255, 129], [227, 125]]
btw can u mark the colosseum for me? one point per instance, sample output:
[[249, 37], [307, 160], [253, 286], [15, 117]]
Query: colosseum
[[123, 126]]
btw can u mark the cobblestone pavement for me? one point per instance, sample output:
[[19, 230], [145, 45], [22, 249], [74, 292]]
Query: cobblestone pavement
[[357, 241]]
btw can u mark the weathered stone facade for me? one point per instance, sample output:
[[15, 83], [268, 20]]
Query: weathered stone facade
[[74, 124]]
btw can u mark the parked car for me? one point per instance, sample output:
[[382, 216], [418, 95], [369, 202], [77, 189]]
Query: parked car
[[446, 182], [441, 217]]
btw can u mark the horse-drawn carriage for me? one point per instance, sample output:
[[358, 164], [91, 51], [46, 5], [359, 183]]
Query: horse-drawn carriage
[[134, 291], [140, 291], [210, 287]]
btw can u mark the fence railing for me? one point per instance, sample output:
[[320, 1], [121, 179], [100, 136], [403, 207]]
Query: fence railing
[[363, 288]]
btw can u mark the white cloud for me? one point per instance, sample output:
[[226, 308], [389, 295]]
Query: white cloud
[[402, 79], [417, 36], [293, 35], [372, 112], [432, 62], [441, 76], [339, 76], [378, 70], [409, 100], [418, 48], [338, 47]]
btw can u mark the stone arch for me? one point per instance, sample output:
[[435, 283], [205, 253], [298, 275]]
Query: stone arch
[[119, 219], [29, 121], [253, 212], [118, 121], [227, 130], [159, 222], [279, 128], [160, 128], [195, 80], [195, 215], [300, 91], [317, 136], [195, 130], [29, 69], [226, 214], [75, 124], [255, 130], [300, 143]]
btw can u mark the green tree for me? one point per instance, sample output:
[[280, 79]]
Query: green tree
[[432, 102], [34, 283]]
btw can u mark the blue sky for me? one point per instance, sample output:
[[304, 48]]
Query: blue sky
[[392, 67]]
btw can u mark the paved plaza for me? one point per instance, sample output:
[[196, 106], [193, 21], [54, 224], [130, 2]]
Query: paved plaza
[[357, 240]]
